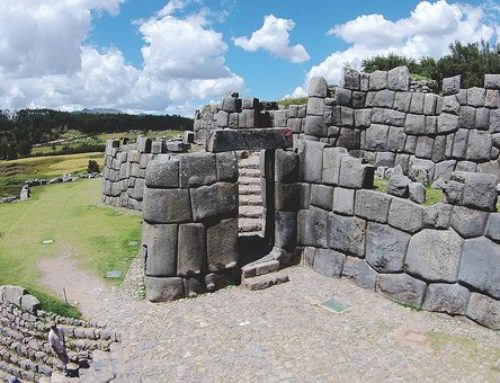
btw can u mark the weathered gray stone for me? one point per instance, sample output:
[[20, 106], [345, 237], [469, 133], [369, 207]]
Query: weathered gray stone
[[318, 87], [451, 85], [495, 139], [387, 117], [343, 201], [315, 106], [450, 105], [415, 124], [448, 298], [424, 147], [163, 289], [197, 169], [402, 101], [291, 197], [286, 166], [479, 266], [398, 186], [222, 245], [313, 227], [447, 123], [308, 256], [231, 104], [479, 145], [416, 167], [492, 99], [398, 78], [484, 310], [355, 174], [310, 158], [227, 166], [285, 236], [249, 103], [476, 96], [493, 227], [295, 124], [492, 81], [467, 117], [406, 215], [411, 144], [315, 125], [221, 119], [376, 137], [430, 101], [401, 288], [322, 196], [358, 99], [378, 80], [479, 191], [385, 247], [166, 205], [350, 79], [160, 245], [12, 294], [417, 192], [434, 255], [360, 272], [248, 139], [444, 169], [346, 116], [372, 205], [347, 234], [192, 249], [460, 144], [343, 96], [248, 119], [482, 119], [328, 262], [417, 103], [384, 98], [466, 166], [162, 174], [220, 199], [431, 124], [349, 138]]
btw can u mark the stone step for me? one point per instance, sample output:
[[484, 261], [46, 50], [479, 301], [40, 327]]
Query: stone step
[[248, 172], [262, 282], [249, 211], [260, 267], [250, 189], [251, 162], [251, 200], [249, 181], [246, 225]]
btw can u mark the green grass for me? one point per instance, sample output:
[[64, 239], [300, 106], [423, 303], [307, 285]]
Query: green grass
[[14, 173], [101, 238], [419, 77], [432, 196], [286, 102]]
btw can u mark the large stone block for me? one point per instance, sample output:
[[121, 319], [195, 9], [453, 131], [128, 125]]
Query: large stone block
[[478, 189], [360, 272], [430, 102], [425, 145], [396, 139], [492, 81], [402, 101], [493, 227], [372, 205], [192, 249], [386, 247], [350, 79], [467, 117], [355, 174], [166, 205], [328, 262], [285, 236], [415, 124], [310, 161], [315, 106], [406, 215], [451, 85], [482, 119], [331, 116], [476, 96], [468, 222], [30, 304], [460, 144], [222, 245], [447, 298], [318, 87], [492, 99], [313, 227], [315, 125], [484, 310], [378, 80], [384, 98], [227, 166], [479, 145], [217, 200], [401, 288], [197, 169], [376, 137], [438, 215], [398, 78], [450, 105], [479, 267], [248, 119], [343, 201], [248, 139], [495, 121], [160, 242], [164, 289], [347, 234], [417, 103], [362, 118], [231, 104], [447, 123], [434, 255], [286, 166], [289, 197], [322, 196], [162, 174], [12, 294]]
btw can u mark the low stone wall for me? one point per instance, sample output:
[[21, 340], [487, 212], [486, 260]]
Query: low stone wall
[[24, 327], [444, 257], [190, 228]]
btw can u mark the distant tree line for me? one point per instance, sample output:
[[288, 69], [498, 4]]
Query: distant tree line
[[24, 128], [471, 61]]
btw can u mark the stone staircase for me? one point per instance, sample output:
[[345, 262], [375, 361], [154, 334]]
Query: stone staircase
[[251, 207], [263, 273]]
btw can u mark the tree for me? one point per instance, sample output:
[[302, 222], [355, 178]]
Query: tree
[[388, 62], [93, 167]]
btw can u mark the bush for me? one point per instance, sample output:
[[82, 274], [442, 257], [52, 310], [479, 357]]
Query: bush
[[93, 167]]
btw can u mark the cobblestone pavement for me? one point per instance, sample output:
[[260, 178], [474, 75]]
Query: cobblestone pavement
[[282, 335]]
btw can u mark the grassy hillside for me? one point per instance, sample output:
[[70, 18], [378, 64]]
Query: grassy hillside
[[14, 173], [101, 238]]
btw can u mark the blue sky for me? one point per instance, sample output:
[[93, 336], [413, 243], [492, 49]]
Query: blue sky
[[174, 56]]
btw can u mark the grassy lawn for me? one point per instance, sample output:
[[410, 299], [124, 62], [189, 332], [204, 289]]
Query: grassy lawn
[[101, 238], [14, 173], [432, 196]]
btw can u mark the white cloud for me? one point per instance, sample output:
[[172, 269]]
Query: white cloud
[[273, 37], [45, 63], [428, 31]]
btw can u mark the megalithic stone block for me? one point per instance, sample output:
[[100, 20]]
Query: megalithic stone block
[[220, 199], [197, 169], [166, 205], [192, 249], [164, 289], [248, 139], [162, 174], [160, 243], [222, 245]]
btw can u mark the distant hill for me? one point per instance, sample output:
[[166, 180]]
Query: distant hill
[[100, 111]]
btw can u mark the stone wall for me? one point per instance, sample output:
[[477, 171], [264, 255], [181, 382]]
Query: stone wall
[[444, 257], [24, 327], [190, 228], [378, 118]]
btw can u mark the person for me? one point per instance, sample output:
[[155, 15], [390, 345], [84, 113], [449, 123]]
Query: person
[[56, 341]]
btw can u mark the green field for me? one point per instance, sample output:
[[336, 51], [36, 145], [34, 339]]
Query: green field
[[101, 238], [14, 173]]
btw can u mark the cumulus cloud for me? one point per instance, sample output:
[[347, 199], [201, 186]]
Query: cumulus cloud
[[274, 37], [45, 63], [428, 31]]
